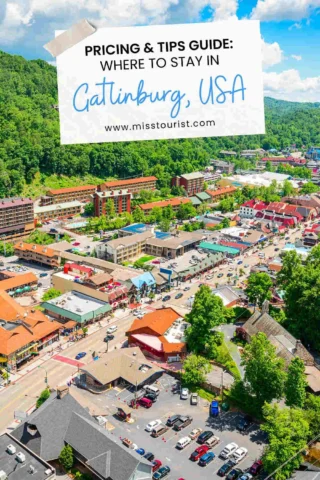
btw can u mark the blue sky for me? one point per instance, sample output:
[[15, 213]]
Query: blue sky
[[290, 30]]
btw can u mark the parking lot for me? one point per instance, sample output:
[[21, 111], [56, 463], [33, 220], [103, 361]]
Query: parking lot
[[163, 447]]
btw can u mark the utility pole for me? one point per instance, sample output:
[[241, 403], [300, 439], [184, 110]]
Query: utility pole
[[222, 372], [46, 376], [135, 395]]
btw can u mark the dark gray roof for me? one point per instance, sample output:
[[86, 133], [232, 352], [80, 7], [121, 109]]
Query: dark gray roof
[[107, 457]]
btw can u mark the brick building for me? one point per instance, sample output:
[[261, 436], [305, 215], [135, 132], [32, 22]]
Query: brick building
[[16, 217], [37, 253], [220, 193], [60, 195], [133, 184], [191, 182], [121, 200], [174, 202]]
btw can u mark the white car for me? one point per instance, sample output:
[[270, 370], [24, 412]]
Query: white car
[[195, 433], [239, 454], [209, 277], [112, 329], [228, 450], [152, 425], [184, 395]]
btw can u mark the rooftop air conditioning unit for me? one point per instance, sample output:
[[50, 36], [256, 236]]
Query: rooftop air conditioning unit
[[3, 475], [47, 472], [20, 457], [11, 449]]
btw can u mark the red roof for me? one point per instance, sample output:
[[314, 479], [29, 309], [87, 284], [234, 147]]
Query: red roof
[[221, 191], [240, 246], [15, 202], [82, 188], [255, 204], [164, 203], [80, 268], [131, 181], [278, 159]]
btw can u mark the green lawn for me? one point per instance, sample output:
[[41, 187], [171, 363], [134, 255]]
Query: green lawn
[[225, 359]]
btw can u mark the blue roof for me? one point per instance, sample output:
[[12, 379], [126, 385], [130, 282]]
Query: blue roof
[[135, 228], [162, 235], [145, 278]]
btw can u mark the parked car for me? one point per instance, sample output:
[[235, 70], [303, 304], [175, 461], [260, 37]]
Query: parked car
[[209, 277], [194, 399], [239, 454], [140, 451], [256, 468], [149, 456], [244, 423], [228, 450], [184, 395], [165, 299], [240, 262], [145, 402], [159, 430], [220, 275], [203, 437], [194, 457], [277, 249], [186, 289], [156, 464], [53, 230], [112, 329], [107, 338], [234, 474], [161, 473], [212, 441], [151, 396], [229, 274], [183, 443], [246, 476], [172, 420], [179, 295], [75, 244], [195, 433], [81, 355], [151, 425], [183, 422], [226, 467], [247, 265], [206, 459]]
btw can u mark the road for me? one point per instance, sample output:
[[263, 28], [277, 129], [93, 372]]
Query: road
[[23, 394]]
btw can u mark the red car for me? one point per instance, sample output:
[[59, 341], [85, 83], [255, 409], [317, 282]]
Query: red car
[[156, 464], [256, 468], [194, 457], [76, 244]]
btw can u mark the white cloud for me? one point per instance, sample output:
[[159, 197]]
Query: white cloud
[[297, 57], [288, 85], [278, 10], [271, 54], [295, 25]]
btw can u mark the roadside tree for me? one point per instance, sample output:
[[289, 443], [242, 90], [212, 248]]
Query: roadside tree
[[195, 370], [295, 386], [258, 288]]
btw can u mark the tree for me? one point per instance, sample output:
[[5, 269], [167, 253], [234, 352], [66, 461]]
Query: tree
[[44, 395], [309, 187], [89, 209], [207, 312], [138, 215], [156, 213], [195, 369], [225, 223], [110, 210], [287, 188], [185, 211], [168, 213], [258, 288], [295, 386], [84, 331], [164, 225], [312, 414], [264, 371], [66, 457], [6, 249], [50, 294], [287, 431]]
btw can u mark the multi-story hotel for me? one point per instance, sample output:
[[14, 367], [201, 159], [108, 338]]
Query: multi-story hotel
[[191, 182], [61, 210], [16, 217], [60, 195], [133, 184], [121, 201], [174, 202], [37, 253]]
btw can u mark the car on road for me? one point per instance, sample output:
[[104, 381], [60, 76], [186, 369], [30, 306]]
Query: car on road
[[165, 299], [184, 395], [149, 456], [234, 474], [209, 277], [194, 398], [277, 249], [239, 454], [206, 459], [153, 424], [225, 468], [43, 275], [156, 464], [244, 423], [228, 450], [186, 289], [247, 265], [195, 433], [240, 262], [76, 244], [140, 451], [107, 338], [183, 422], [161, 473], [112, 329], [81, 355], [229, 274], [194, 457], [53, 230], [220, 275], [179, 295], [256, 467], [204, 436]]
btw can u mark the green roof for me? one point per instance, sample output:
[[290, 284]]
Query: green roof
[[218, 248], [203, 196], [195, 201]]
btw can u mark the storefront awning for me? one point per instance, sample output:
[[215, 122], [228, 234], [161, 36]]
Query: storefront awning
[[26, 349]]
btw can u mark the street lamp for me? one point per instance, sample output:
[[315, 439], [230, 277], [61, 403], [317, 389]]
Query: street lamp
[[46, 376]]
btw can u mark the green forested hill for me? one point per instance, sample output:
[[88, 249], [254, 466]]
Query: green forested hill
[[29, 135]]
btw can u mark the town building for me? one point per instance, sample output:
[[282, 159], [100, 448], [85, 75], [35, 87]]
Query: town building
[[260, 179], [57, 210], [134, 185], [250, 208], [41, 254], [227, 153], [159, 334], [216, 248], [76, 306], [61, 195], [23, 332], [26, 465], [19, 284], [133, 229], [290, 160], [281, 213], [313, 153], [172, 246], [228, 295], [125, 248], [16, 217], [174, 202], [311, 201], [121, 367], [120, 199], [220, 193], [61, 421], [191, 182], [222, 166], [258, 152]]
